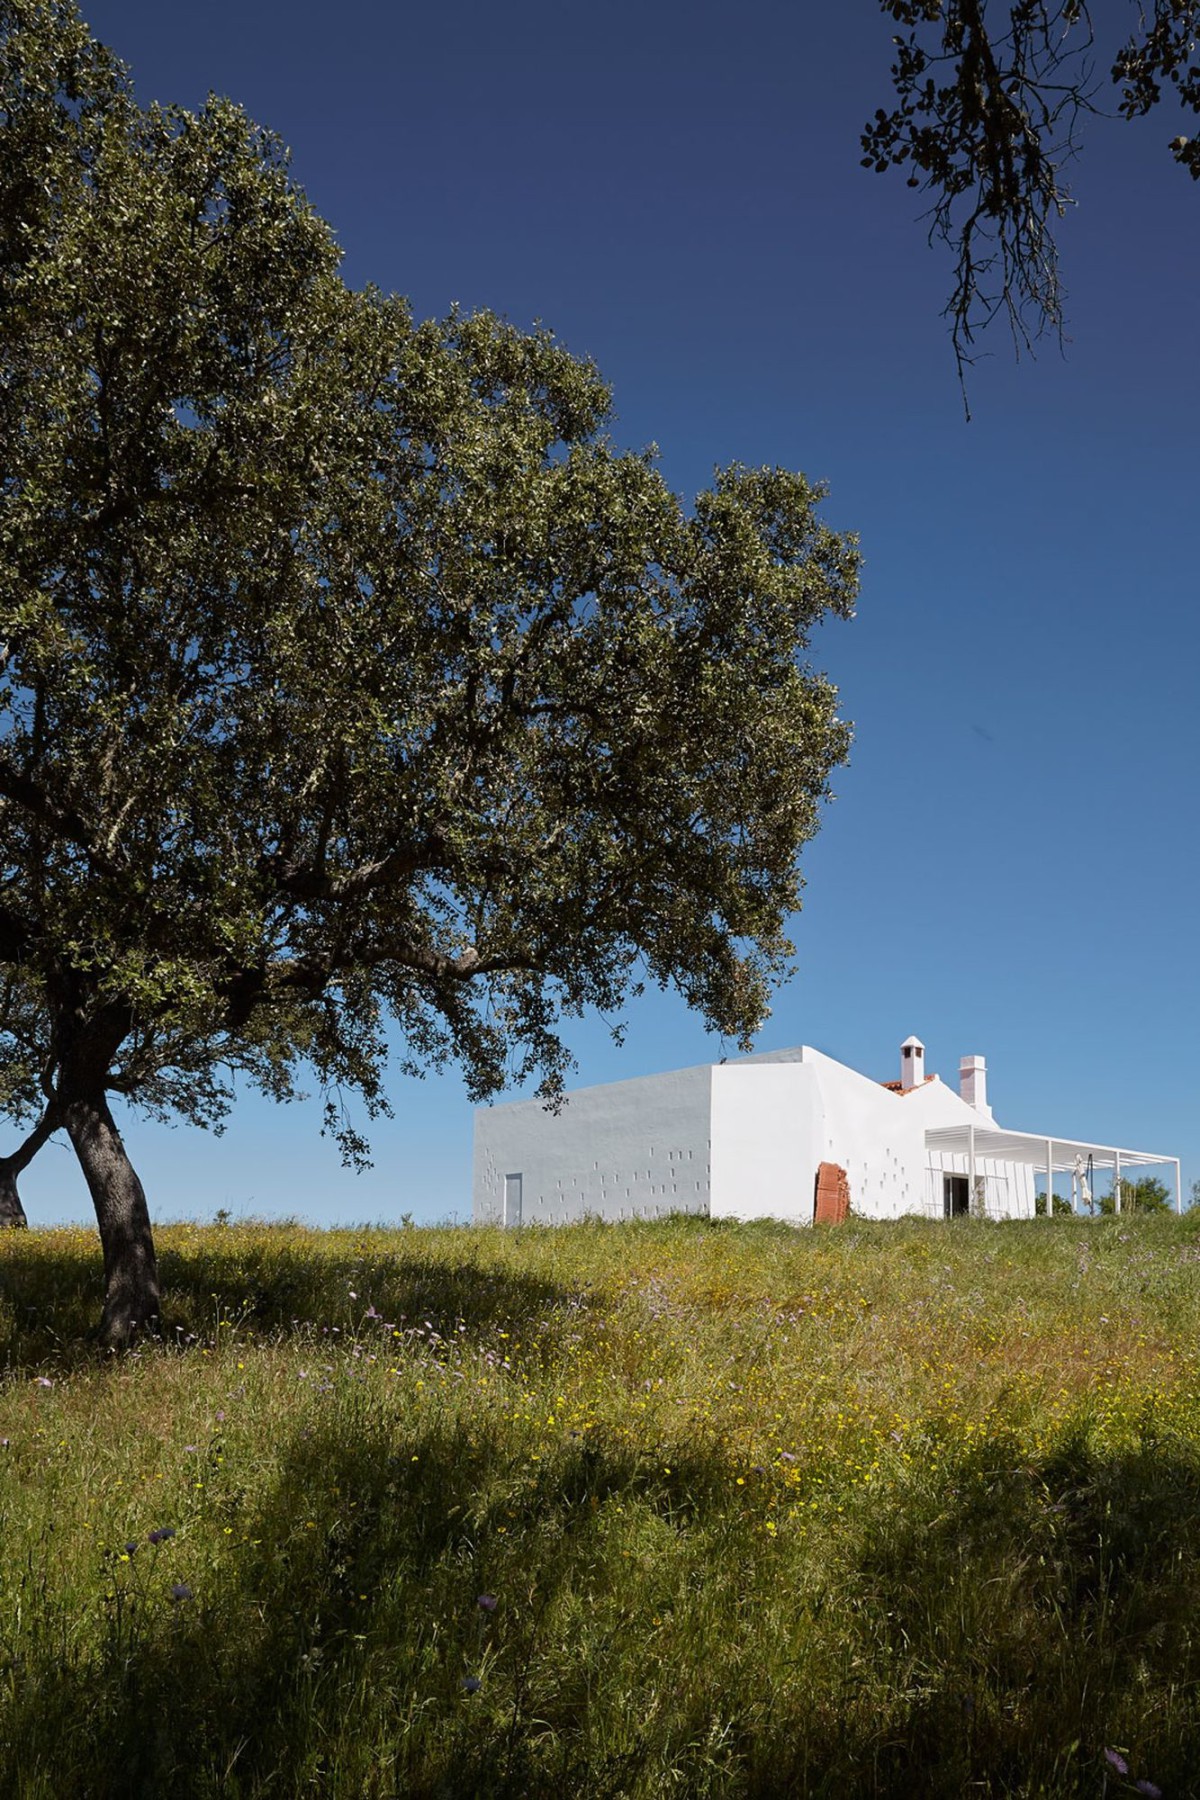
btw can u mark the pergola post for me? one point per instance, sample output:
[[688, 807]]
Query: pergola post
[[1116, 1181], [1178, 1188], [1049, 1178], [970, 1168]]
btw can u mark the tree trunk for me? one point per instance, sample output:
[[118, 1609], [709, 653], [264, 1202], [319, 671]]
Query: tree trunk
[[12, 1213], [131, 1297]]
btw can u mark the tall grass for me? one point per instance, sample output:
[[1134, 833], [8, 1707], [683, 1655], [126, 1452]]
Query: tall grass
[[638, 1510]]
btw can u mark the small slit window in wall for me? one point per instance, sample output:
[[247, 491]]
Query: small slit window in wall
[[512, 1199]]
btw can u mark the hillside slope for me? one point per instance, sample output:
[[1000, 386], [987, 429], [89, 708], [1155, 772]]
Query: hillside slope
[[633, 1510]]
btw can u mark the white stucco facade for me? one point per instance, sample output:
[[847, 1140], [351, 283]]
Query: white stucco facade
[[745, 1139], [629, 1150]]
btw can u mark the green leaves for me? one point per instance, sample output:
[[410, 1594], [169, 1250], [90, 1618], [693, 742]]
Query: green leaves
[[358, 689]]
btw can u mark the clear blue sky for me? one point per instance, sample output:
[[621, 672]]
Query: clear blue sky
[[1011, 864]]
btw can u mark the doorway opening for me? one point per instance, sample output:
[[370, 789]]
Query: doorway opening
[[956, 1196]]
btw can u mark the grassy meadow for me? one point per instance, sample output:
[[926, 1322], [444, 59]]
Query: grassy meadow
[[641, 1510]]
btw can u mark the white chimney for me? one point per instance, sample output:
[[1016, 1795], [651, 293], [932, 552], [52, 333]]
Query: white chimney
[[912, 1064], [972, 1083]]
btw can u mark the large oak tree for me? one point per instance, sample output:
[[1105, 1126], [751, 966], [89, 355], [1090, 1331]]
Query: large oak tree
[[354, 687]]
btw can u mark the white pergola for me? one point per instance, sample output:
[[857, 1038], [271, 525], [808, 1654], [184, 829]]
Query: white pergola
[[1053, 1155]]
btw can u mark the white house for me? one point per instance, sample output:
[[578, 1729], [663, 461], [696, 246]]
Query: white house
[[761, 1136]]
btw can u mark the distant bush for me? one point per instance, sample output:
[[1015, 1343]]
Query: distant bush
[[1146, 1196], [1060, 1205]]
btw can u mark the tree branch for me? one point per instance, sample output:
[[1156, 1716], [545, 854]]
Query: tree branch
[[45, 1128], [15, 935], [67, 826]]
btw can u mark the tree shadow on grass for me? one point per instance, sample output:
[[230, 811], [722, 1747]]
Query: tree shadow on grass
[[346, 1643], [264, 1285], [380, 1630], [1043, 1616]]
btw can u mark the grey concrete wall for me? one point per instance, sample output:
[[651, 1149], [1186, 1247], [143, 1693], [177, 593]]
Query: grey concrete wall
[[628, 1150]]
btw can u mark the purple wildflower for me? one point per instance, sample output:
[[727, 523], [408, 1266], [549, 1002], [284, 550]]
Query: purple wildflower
[[131, 1547], [44, 1381], [472, 1684], [486, 1603], [1117, 1760], [162, 1534], [180, 1591], [1148, 1787]]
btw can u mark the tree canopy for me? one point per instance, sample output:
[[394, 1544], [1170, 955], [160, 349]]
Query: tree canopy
[[354, 687], [989, 103]]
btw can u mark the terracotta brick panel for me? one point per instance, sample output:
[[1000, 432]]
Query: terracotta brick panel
[[832, 1203]]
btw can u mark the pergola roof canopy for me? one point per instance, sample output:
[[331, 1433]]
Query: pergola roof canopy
[[1025, 1147]]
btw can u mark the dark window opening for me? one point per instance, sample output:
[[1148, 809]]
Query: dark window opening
[[956, 1196]]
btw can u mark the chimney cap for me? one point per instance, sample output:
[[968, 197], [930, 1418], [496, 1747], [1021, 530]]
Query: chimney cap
[[912, 1043]]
